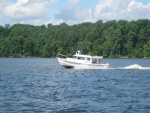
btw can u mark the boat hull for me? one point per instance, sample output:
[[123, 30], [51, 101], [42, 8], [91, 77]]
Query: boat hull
[[78, 65]]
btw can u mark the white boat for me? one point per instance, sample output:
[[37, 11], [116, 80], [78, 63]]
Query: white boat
[[80, 61]]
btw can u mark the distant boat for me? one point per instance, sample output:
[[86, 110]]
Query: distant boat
[[80, 61]]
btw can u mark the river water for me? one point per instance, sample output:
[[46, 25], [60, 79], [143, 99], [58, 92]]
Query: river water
[[42, 85]]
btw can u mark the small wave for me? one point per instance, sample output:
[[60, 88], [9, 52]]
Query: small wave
[[134, 67]]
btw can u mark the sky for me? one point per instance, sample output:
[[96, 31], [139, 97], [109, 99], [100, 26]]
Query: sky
[[39, 12]]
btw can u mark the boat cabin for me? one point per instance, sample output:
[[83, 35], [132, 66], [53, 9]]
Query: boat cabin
[[88, 58]]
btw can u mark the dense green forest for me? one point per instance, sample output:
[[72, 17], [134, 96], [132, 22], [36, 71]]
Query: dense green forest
[[111, 39]]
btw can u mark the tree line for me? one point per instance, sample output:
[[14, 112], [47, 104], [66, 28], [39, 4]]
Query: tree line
[[111, 39]]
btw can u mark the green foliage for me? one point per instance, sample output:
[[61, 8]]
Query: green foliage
[[109, 39]]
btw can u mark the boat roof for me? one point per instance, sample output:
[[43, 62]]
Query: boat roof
[[81, 55]]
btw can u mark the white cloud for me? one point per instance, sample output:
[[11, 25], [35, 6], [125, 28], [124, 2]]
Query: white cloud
[[71, 3], [105, 10], [121, 9], [25, 9], [45, 22], [74, 12], [71, 12], [22, 2]]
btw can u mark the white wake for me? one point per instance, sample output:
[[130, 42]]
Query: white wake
[[134, 67]]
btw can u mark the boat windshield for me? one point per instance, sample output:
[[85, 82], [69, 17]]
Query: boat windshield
[[74, 57], [62, 56], [81, 58]]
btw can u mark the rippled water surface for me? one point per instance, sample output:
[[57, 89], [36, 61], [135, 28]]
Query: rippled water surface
[[42, 85]]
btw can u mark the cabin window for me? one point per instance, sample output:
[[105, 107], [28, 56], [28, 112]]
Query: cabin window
[[99, 61], [88, 59], [78, 57], [81, 58], [94, 60]]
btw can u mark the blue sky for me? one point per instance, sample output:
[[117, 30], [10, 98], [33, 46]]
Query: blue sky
[[39, 12]]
